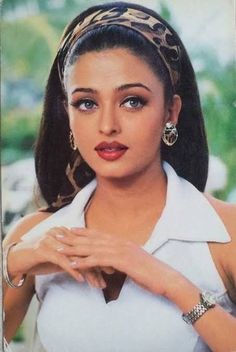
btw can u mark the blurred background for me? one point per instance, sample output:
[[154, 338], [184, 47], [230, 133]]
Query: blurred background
[[31, 30]]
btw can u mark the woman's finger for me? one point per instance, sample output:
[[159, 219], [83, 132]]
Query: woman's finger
[[108, 270], [82, 231], [94, 278], [96, 260], [50, 250], [66, 265], [71, 239]]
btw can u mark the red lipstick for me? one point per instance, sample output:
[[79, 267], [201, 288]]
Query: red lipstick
[[110, 151]]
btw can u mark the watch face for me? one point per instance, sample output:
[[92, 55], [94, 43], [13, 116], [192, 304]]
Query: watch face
[[208, 299]]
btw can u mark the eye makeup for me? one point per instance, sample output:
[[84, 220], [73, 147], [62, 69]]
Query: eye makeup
[[84, 104]]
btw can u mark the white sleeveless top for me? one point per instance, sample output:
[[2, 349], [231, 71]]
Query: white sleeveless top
[[74, 317]]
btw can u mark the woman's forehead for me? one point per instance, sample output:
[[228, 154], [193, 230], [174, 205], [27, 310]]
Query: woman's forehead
[[114, 67]]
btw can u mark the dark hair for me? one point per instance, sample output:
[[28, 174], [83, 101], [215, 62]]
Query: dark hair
[[189, 156]]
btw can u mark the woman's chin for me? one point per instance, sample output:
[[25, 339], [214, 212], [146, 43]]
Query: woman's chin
[[125, 170], [121, 175], [113, 175]]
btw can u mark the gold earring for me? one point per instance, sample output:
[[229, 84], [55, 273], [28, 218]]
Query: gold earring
[[72, 142], [170, 134]]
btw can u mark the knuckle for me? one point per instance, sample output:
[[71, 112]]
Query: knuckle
[[93, 232], [47, 242], [52, 231], [42, 243], [107, 237], [90, 242], [129, 243], [73, 241], [54, 258], [127, 246], [93, 260]]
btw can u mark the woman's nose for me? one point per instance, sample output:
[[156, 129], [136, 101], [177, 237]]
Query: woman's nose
[[109, 122]]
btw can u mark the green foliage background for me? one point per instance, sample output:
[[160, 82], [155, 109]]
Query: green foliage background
[[31, 31]]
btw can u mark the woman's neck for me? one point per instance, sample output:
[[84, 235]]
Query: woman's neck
[[127, 196]]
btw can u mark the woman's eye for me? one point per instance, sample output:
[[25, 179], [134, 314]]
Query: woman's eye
[[133, 102], [84, 104]]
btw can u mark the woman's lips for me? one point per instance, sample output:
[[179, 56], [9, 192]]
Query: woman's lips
[[110, 151]]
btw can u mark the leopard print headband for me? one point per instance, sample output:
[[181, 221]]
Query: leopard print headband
[[148, 26]]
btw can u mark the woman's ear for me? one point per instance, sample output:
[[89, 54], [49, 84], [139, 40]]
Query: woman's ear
[[174, 109]]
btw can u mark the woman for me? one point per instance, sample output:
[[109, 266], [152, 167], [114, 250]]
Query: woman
[[128, 243]]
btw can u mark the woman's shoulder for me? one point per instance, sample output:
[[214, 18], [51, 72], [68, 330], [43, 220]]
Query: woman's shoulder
[[227, 213], [225, 253], [24, 225]]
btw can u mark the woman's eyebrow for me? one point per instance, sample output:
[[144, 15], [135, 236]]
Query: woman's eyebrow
[[85, 90], [120, 88], [132, 85]]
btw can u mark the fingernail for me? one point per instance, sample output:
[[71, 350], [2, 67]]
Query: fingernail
[[103, 285], [76, 228], [73, 263], [60, 235], [81, 279], [60, 249]]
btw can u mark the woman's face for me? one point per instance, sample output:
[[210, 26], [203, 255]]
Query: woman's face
[[117, 112]]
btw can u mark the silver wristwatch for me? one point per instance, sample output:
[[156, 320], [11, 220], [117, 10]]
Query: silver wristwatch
[[207, 301]]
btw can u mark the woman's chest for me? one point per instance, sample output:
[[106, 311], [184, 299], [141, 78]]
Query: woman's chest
[[78, 319], [136, 321]]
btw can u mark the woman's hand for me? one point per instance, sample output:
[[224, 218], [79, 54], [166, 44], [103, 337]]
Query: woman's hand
[[95, 249], [44, 256]]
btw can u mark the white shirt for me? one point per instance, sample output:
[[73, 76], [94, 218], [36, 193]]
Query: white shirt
[[75, 317]]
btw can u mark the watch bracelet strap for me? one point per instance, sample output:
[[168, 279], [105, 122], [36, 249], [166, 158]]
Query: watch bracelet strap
[[197, 311]]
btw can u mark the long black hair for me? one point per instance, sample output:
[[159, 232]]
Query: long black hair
[[189, 156]]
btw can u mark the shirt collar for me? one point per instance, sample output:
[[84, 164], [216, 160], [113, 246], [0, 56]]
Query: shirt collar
[[187, 216]]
